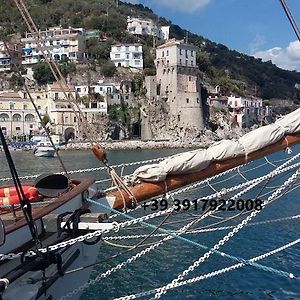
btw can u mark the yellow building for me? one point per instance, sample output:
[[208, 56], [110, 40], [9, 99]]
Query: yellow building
[[61, 110], [17, 115]]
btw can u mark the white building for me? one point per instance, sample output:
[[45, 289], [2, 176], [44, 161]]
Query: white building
[[100, 88], [127, 55], [17, 116], [245, 112], [12, 56], [140, 26], [60, 42]]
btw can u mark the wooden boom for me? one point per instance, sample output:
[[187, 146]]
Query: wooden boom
[[146, 190]]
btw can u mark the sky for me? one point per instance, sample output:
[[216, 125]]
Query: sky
[[255, 27]]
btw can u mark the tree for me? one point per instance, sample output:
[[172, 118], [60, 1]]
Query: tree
[[138, 85], [16, 82], [42, 73], [45, 120], [99, 50], [108, 69], [66, 66]]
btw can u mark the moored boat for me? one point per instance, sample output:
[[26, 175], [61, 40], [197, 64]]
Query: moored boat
[[44, 149]]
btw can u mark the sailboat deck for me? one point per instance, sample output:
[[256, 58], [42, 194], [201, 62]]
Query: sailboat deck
[[14, 219]]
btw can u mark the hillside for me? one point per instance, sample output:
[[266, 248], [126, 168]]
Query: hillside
[[236, 72]]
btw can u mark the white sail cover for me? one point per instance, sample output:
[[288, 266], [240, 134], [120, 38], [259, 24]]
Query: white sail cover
[[197, 160]]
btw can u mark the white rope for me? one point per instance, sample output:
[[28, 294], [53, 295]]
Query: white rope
[[197, 231], [97, 233], [226, 238], [214, 273]]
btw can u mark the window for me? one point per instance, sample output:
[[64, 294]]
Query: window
[[136, 62], [197, 100], [180, 51], [186, 62], [78, 90], [192, 53], [190, 78], [178, 118], [51, 43], [16, 117], [18, 128], [136, 48], [56, 96], [117, 55], [94, 105], [11, 105], [180, 61], [29, 118], [25, 106], [163, 54], [192, 63], [168, 62], [4, 117], [186, 53], [187, 100], [167, 52], [119, 48]]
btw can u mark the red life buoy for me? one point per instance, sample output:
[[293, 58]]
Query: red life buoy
[[9, 195]]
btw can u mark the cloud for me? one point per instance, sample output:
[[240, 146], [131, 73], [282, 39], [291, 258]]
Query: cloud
[[257, 43], [183, 5], [286, 58]]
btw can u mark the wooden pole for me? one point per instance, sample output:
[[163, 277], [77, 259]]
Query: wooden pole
[[146, 190]]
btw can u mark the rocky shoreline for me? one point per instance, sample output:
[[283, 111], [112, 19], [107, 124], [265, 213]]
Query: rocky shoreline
[[137, 144]]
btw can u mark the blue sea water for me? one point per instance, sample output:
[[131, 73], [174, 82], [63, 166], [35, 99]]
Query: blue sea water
[[163, 264]]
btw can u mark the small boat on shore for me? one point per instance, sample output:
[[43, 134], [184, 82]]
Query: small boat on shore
[[44, 149]]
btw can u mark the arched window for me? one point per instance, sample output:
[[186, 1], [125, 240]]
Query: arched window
[[16, 117], [29, 118], [4, 117]]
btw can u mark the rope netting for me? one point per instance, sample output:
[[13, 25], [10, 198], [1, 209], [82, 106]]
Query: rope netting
[[185, 217]]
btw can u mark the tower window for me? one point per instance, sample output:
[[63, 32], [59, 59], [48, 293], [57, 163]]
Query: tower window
[[187, 100]]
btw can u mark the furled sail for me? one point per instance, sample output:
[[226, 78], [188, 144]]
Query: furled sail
[[197, 160]]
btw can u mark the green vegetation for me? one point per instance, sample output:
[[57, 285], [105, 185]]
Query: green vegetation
[[108, 69], [45, 120], [42, 73], [16, 82], [233, 71], [66, 66]]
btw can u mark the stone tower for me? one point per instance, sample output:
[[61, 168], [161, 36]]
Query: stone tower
[[178, 82], [176, 90]]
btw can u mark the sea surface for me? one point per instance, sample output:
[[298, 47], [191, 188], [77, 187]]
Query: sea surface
[[163, 264]]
